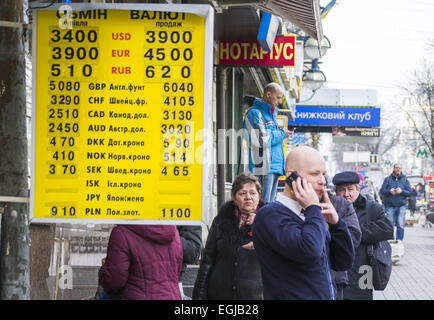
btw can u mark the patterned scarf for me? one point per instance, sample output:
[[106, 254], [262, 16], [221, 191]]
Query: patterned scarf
[[242, 219]]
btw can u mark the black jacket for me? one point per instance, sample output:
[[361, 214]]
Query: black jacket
[[412, 201], [375, 227], [191, 238], [228, 271], [346, 211]]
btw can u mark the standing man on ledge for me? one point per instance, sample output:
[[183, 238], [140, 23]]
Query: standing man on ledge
[[265, 138], [298, 239]]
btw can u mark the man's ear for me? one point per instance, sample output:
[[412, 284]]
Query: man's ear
[[267, 96]]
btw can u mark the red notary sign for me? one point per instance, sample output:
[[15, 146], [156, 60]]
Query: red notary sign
[[250, 53]]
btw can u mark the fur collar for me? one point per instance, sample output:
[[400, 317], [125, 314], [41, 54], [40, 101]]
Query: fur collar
[[229, 210]]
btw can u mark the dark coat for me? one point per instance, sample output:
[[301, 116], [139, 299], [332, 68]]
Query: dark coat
[[228, 271], [395, 200], [375, 227], [412, 201], [191, 238], [346, 211], [296, 255], [143, 263]]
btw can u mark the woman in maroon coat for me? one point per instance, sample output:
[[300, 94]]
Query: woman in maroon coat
[[143, 262]]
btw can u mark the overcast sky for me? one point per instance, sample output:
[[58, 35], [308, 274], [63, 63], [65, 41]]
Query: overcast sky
[[376, 43]]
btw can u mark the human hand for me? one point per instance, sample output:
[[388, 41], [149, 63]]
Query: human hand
[[398, 190], [304, 193], [288, 133], [392, 191], [328, 210], [248, 246]]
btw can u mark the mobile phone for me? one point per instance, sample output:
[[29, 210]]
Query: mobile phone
[[292, 177]]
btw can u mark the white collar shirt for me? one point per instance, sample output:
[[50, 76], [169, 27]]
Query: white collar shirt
[[291, 204]]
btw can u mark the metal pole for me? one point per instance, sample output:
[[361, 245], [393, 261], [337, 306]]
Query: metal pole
[[221, 142], [14, 272], [357, 157]]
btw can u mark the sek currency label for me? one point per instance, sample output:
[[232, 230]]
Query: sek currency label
[[118, 106]]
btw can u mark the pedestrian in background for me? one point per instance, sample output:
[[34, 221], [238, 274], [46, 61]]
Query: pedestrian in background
[[298, 239], [412, 202], [365, 189], [395, 190], [143, 262], [191, 239], [229, 268], [375, 227], [265, 140]]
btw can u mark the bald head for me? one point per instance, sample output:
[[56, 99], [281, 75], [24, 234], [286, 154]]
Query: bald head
[[300, 157], [273, 94], [272, 87], [310, 165]]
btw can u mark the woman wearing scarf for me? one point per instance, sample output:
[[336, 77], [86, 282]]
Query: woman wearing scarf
[[229, 268]]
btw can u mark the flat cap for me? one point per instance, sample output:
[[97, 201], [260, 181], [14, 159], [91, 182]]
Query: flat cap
[[346, 177]]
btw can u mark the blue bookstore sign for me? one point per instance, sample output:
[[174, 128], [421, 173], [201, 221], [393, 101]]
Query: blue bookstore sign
[[336, 116]]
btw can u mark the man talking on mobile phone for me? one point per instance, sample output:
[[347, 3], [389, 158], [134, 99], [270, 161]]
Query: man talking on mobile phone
[[298, 239]]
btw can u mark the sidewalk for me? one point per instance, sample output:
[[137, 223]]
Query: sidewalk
[[413, 275]]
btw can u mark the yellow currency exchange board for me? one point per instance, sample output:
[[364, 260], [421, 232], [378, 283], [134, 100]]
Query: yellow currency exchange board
[[119, 109]]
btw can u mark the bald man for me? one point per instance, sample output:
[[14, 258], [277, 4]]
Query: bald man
[[264, 138], [298, 239]]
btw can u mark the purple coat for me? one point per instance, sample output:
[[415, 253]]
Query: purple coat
[[143, 262]]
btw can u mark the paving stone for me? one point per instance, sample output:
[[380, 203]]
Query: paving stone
[[412, 277]]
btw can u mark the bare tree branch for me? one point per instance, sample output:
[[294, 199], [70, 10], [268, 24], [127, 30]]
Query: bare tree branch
[[418, 131], [420, 111]]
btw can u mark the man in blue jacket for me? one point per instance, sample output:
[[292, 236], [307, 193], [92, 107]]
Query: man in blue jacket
[[298, 239], [264, 138], [394, 191]]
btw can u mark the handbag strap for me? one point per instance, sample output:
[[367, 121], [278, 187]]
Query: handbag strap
[[370, 247], [370, 250]]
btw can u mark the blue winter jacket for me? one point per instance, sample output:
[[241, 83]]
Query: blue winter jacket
[[296, 256], [264, 138], [395, 200]]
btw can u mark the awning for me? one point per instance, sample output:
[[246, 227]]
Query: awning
[[305, 14]]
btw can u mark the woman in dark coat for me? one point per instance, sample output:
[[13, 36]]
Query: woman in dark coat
[[412, 201], [229, 267], [143, 263]]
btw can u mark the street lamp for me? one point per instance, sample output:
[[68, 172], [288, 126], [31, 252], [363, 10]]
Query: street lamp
[[314, 78], [311, 49]]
